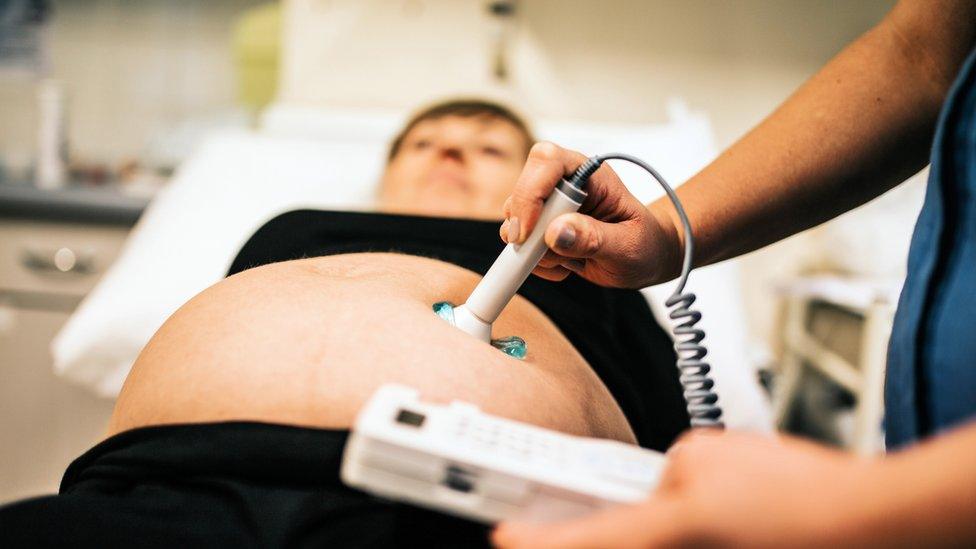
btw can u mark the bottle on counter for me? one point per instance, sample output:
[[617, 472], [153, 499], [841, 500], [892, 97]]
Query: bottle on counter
[[50, 171]]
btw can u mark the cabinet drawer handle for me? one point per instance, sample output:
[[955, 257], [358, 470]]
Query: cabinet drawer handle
[[62, 260]]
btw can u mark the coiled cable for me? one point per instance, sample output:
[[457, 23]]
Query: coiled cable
[[697, 385]]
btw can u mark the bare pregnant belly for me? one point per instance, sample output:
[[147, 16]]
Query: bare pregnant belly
[[306, 342]]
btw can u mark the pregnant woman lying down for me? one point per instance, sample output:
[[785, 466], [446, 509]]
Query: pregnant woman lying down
[[230, 427]]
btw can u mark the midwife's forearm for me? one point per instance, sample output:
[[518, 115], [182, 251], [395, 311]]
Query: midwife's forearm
[[858, 127]]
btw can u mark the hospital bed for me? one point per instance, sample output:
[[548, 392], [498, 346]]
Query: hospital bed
[[332, 159]]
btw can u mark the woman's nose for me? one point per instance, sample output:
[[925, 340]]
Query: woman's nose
[[451, 151]]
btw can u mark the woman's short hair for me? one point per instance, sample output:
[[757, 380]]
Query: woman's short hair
[[465, 108]]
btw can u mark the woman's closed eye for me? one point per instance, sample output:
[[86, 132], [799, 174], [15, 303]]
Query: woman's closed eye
[[490, 150]]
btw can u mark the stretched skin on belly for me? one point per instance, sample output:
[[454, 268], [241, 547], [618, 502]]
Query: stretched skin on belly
[[306, 342]]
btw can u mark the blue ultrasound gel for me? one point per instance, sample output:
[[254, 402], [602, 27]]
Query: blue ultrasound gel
[[513, 346], [445, 310]]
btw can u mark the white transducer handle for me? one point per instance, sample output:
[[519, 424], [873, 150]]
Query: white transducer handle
[[516, 262]]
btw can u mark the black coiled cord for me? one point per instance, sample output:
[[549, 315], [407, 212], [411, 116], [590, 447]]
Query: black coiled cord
[[701, 400], [698, 387]]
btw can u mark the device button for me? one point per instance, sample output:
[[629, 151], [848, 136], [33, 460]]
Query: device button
[[410, 417], [458, 479]]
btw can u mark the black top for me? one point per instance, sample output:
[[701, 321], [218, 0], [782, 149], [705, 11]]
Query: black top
[[613, 329]]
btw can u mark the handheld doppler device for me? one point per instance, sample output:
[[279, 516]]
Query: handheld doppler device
[[456, 459], [459, 460]]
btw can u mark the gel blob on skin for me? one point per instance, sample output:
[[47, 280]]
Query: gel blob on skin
[[513, 346]]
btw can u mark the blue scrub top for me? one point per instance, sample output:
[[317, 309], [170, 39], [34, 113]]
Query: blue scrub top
[[931, 380]]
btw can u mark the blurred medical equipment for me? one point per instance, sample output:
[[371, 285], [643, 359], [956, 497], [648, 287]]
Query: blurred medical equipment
[[501, 23], [457, 459], [517, 261], [257, 55], [812, 358], [22, 40]]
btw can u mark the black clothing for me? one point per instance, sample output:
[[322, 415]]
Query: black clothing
[[216, 485]]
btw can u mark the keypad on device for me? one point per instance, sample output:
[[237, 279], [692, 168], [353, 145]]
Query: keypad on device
[[531, 446], [511, 441]]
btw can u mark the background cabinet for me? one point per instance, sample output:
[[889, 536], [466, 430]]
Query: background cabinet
[[46, 268]]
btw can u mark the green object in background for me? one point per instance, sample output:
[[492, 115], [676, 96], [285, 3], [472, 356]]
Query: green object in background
[[257, 48]]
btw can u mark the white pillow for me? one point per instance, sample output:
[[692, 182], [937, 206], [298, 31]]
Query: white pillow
[[677, 148], [192, 230]]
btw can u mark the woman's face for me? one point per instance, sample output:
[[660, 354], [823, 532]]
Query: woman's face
[[454, 166]]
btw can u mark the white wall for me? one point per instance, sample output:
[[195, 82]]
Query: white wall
[[612, 60]]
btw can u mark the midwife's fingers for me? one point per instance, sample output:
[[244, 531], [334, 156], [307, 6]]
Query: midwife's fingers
[[578, 235], [649, 524], [545, 166], [554, 274], [509, 230]]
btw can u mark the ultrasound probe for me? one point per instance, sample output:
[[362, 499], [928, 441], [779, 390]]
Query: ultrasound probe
[[517, 261]]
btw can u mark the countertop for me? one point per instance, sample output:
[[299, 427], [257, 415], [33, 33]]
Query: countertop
[[70, 205]]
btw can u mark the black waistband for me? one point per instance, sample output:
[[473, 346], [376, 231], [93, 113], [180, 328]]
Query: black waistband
[[250, 451], [232, 484]]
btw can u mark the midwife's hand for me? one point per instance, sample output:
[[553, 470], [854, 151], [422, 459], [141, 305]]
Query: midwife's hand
[[614, 240], [731, 490]]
